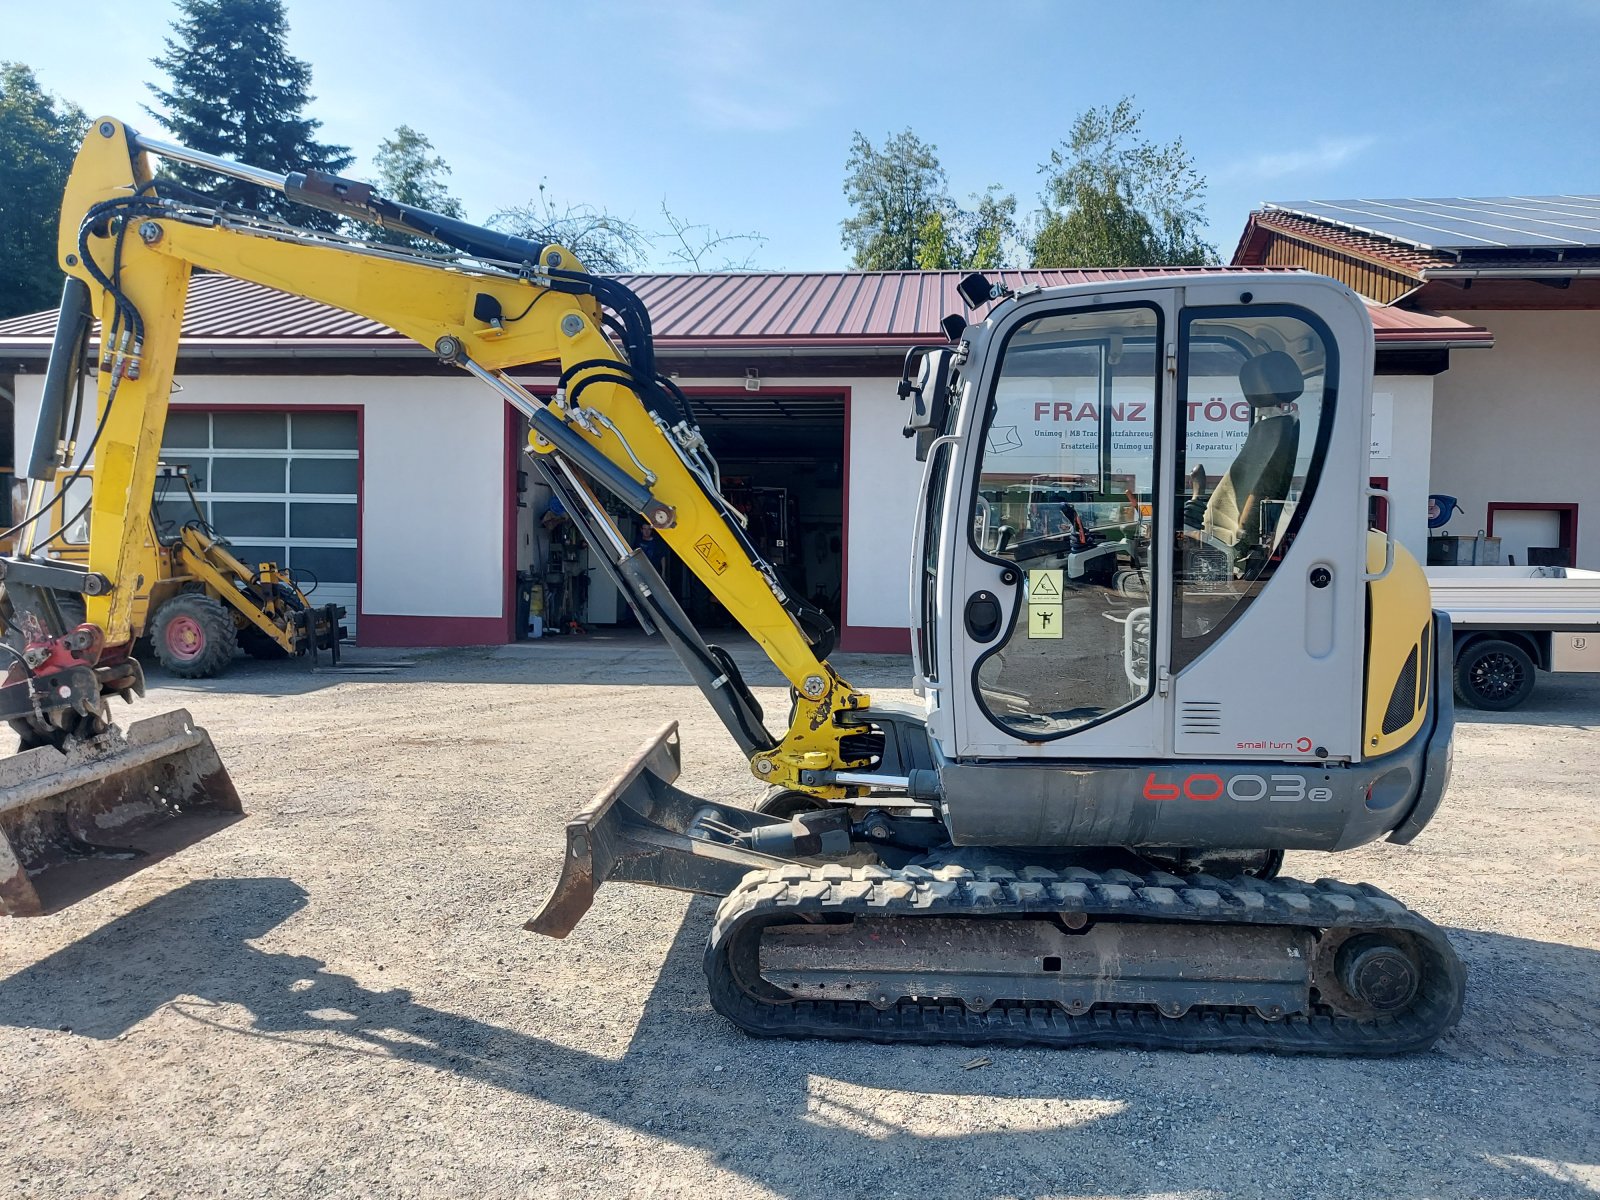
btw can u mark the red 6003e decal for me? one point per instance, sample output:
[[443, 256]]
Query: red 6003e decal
[[1244, 788]]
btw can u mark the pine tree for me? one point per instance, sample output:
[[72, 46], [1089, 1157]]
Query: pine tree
[[39, 136], [236, 91]]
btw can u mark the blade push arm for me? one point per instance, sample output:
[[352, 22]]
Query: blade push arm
[[612, 423]]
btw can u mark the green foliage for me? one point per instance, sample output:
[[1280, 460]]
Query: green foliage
[[237, 91], [898, 193], [1113, 198], [39, 137], [904, 216], [990, 231], [409, 172]]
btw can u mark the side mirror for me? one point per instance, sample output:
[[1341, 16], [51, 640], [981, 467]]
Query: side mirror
[[925, 381]]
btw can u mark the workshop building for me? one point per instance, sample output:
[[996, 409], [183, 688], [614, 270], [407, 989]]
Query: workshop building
[[1512, 430], [335, 446]]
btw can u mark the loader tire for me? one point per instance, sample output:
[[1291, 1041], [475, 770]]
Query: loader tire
[[194, 636]]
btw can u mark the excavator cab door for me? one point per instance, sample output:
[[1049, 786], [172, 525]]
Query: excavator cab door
[[1126, 551]]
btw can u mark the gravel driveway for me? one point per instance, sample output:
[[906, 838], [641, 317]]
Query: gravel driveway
[[334, 998]]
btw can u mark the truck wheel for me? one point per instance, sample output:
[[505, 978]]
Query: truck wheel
[[194, 636], [1494, 675]]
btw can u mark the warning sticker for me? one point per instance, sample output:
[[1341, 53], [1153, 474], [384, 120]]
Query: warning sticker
[[1044, 586], [1044, 603], [1044, 620], [712, 553]]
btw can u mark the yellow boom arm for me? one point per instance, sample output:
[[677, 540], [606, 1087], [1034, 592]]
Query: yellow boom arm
[[136, 249]]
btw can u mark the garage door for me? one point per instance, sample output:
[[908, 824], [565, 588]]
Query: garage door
[[280, 486]]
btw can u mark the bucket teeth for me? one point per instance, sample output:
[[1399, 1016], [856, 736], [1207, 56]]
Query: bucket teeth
[[77, 821]]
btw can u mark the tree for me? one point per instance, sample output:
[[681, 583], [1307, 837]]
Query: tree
[[409, 172], [39, 137], [602, 242], [237, 91], [899, 197], [905, 218], [1113, 198], [702, 248], [990, 232]]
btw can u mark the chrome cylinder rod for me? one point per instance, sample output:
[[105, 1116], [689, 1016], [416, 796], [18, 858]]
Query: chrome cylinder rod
[[211, 162]]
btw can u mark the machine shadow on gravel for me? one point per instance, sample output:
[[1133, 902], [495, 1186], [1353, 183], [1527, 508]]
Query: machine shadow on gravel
[[189, 950]]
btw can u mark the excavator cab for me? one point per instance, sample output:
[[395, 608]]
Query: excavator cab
[[1202, 430]]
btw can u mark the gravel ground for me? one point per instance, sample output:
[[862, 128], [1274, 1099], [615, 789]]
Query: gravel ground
[[334, 998]]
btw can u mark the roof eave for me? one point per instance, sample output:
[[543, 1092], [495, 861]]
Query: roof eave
[[1531, 271]]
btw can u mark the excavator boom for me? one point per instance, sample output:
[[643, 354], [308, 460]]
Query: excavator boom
[[615, 427]]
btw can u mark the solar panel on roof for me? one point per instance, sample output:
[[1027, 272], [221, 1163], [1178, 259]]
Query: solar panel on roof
[[1464, 223]]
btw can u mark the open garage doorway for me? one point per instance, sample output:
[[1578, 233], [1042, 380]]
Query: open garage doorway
[[781, 451], [782, 458]]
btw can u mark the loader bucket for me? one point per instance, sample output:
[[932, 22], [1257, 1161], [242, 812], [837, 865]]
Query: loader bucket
[[75, 822]]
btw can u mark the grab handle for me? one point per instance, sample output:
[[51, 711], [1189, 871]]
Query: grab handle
[[1378, 493]]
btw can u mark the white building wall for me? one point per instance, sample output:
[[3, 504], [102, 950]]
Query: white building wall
[[1521, 422], [1403, 456], [433, 480], [433, 483]]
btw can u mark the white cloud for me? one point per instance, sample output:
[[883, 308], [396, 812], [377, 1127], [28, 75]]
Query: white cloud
[[1326, 154]]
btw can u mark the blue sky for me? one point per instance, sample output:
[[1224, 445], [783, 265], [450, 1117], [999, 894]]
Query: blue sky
[[740, 115]]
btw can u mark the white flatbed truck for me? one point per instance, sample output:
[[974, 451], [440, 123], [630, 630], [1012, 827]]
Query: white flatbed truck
[[1512, 622]]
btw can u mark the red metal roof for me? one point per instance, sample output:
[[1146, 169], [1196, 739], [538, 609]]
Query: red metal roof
[[755, 311]]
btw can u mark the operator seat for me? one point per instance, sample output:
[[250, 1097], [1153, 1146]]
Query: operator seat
[[1264, 466]]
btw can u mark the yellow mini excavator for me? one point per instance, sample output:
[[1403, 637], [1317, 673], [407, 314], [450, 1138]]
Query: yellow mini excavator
[[1149, 658]]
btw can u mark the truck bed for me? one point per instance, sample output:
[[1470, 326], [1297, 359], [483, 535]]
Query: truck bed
[[1553, 598]]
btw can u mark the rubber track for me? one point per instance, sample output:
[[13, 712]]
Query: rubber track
[[787, 893]]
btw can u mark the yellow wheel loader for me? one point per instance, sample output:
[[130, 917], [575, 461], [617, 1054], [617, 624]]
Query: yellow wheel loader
[[1126, 713], [203, 604]]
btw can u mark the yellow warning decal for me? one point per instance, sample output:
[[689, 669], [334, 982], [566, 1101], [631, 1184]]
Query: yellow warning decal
[[712, 553], [1044, 620], [1044, 603]]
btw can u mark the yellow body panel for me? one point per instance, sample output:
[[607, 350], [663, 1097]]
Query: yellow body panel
[[1399, 648]]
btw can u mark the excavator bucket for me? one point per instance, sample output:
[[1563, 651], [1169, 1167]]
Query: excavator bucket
[[75, 822]]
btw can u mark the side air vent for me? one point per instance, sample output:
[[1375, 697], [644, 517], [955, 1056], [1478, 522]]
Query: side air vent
[[1200, 716], [1403, 700]]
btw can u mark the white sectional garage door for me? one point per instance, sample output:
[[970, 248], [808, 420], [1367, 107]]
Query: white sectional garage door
[[280, 486]]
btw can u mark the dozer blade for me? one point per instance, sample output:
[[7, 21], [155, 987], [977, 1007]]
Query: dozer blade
[[641, 829], [75, 822]]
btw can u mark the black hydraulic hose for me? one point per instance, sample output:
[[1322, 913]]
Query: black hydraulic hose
[[593, 364]]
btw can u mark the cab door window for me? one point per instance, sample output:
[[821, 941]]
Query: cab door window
[[1065, 492], [1254, 414]]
